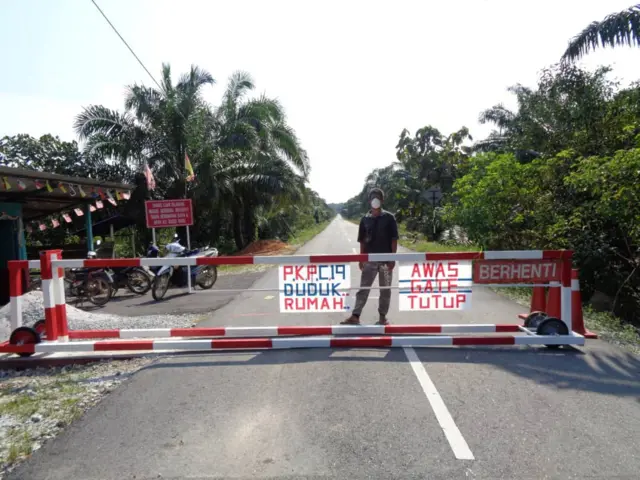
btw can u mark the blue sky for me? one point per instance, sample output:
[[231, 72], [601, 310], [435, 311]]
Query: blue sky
[[351, 75]]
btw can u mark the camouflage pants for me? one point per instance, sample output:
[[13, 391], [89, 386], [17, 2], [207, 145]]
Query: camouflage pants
[[369, 272]]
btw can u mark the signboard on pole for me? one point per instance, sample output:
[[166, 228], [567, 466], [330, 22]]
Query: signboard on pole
[[314, 288], [436, 285], [433, 195], [169, 213]]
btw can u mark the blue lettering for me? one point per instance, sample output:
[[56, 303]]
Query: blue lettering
[[312, 289], [288, 290], [341, 270], [320, 272], [335, 291]]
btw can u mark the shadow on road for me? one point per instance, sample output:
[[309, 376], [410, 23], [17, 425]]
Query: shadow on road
[[571, 369]]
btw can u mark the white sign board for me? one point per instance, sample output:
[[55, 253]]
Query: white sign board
[[314, 288], [436, 285]]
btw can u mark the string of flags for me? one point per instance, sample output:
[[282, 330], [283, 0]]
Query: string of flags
[[98, 194], [65, 187]]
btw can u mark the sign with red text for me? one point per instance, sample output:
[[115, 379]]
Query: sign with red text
[[516, 271], [435, 285], [314, 288], [169, 213]]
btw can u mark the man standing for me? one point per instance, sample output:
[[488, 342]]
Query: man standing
[[378, 233]]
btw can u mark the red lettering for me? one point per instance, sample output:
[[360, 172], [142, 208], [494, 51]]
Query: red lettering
[[287, 270], [312, 271], [338, 303], [415, 272], [312, 303], [453, 269], [448, 305], [412, 299], [451, 286], [415, 286], [288, 303], [325, 304], [460, 299], [298, 270]]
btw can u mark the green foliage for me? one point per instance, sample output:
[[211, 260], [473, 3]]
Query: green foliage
[[250, 167], [561, 171], [615, 30]]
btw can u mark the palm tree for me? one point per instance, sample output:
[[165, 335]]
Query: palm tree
[[156, 126], [617, 29], [273, 165]]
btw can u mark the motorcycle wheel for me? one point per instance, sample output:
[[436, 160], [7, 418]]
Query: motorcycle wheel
[[160, 286], [98, 285], [207, 277], [138, 282]]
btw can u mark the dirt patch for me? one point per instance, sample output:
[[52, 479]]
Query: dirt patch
[[265, 247]]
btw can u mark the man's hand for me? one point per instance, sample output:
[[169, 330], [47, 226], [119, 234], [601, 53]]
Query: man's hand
[[391, 265]]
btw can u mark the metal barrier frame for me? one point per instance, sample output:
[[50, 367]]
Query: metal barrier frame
[[58, 336]]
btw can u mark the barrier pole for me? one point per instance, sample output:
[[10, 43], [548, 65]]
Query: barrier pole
[[188, 266], [16, 291], [565, 304], [59, 297], [48, 296]]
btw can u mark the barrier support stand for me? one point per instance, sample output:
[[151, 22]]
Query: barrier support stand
[[59, 298], [48, 295], [16, 291], [565, 303]]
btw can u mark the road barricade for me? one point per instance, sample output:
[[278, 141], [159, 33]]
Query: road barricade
[[321, 283]]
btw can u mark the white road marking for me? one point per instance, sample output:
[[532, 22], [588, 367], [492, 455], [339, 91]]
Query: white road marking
[[456, 440]]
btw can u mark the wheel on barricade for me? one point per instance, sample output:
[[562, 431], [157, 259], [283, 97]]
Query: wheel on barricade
[[534, 319], [552, 326], [24, 336], [40, 329]]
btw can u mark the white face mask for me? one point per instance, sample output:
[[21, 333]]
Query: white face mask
[[375, 203]]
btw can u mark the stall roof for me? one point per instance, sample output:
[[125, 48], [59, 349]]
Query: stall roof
[[28, 187]]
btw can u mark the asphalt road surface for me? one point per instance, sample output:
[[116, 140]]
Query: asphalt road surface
[[431, 413], [177, 300]]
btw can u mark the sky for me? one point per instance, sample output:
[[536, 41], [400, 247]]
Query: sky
[[350, 74]]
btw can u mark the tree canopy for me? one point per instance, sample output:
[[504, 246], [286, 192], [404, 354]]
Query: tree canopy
[[560, 171], [250, 167]]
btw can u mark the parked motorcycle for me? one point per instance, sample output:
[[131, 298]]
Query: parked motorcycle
[[93, 284], [138, 280], [204, 276]]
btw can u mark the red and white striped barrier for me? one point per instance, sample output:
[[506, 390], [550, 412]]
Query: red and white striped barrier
[[318, 259], [289, 342], [57, 334], [247, 332]]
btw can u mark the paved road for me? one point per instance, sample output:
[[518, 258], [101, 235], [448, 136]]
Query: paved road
[[177, 300], [520, 413]]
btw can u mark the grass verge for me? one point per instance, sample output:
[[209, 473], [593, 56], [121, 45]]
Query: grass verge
[[36, 404]]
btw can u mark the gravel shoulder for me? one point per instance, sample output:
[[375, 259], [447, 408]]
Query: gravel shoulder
[[37, 404]]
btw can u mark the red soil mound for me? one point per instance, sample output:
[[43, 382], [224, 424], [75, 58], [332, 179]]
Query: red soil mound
[[264, 247]]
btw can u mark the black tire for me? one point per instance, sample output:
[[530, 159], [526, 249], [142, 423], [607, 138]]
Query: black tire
[[104, 285], [24, 336], [160, 286], [552, 326], [534, 319], [140, 286], [40, 328], [207, 280]]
